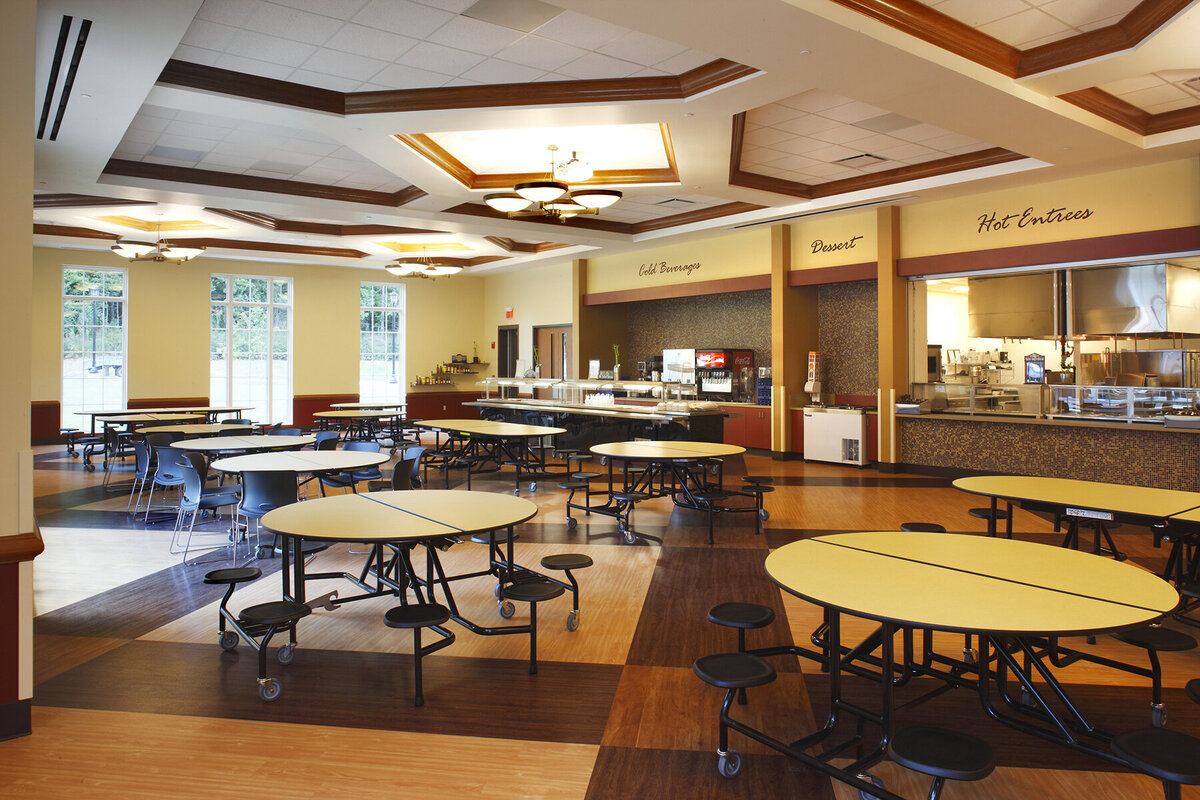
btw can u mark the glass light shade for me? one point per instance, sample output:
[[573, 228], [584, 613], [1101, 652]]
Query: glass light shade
[[126, 249], [541, 191], [180, 252], [565, 205], [403, 268], [506, 202], [438, 270], [596, 198]]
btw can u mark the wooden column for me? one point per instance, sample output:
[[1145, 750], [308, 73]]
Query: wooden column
[[19, 539], [596, 328], [893, 334], [793, 334]]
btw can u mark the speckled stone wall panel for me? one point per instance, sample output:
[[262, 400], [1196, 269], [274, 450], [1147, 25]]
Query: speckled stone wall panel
[[848, 319], [1135, 456], [738, 321]]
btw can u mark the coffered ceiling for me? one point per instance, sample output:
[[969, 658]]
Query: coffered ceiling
[[347, 132]]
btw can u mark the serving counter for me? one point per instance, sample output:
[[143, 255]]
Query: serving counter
[[592, 424]]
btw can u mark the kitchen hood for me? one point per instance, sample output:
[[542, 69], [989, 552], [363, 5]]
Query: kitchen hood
[[1024, 306], [1136, 299]]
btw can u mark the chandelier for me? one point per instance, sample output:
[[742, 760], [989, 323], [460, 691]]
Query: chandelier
[[552, 197], [161, 250], [422, 267]]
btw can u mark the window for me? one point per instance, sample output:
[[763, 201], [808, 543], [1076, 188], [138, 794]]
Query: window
[[381, 343], [93, 341], [250, 345]]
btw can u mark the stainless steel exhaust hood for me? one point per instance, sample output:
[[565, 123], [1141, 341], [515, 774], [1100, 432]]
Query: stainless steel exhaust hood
[[1024, 306], [1141, 299]]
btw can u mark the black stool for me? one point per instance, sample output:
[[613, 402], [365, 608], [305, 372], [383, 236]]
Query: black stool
[[415, 616], [1193, 689], [993, 516], [923, 527], [711, 497], [757, 490], [574, 485], [942, 754], [732, 672], [567, 562], [1170, 756], [533, 593], [632, 498], [1153, 639], [743, 617]]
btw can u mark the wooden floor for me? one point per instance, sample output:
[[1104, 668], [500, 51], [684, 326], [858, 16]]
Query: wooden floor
[[133, 698]]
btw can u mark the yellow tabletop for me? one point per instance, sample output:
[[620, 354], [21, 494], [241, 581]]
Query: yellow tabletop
[[353, 406], [229, 444], [196, 429], [121, 412], [142, 416], [350, 414], [302, 461], [966, 583], [1089, 495], [666, 451], [397, 516], [484, 427]]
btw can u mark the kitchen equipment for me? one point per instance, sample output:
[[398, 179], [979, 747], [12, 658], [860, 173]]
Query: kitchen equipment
[[837, 434], [934, 363], [720, 372], [679, 366]]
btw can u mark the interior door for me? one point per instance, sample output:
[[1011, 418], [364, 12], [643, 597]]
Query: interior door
[[506, 351], [554, 352]]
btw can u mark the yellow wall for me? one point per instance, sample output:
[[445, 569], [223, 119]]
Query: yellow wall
[[733, 255], [537, 295], [168, 315], [834, 240], [1155, 197]]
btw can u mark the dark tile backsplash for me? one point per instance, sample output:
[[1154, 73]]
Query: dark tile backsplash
[[848, 317], [738, 320]]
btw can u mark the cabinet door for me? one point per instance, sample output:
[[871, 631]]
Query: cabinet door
[[758, 428], [735, 426]]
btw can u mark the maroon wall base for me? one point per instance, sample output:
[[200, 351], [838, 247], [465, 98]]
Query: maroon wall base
[[15, 719], [305, 405], [441, 405]]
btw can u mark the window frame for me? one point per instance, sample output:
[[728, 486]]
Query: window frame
[[401, 339], [228, 304], [62, 339]]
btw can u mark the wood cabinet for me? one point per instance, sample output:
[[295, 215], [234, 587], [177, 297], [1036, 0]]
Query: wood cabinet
[[748, 426]]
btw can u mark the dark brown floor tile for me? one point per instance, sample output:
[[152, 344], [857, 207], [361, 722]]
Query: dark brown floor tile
[[564, 702], [626, 773], [673, 629], [670, 708]]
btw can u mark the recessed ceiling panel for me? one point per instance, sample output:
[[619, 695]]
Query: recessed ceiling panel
[[1028, 23], [1159, 92], [607, 147]]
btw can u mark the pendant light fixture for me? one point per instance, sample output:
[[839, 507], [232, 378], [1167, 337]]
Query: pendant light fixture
[[161, 250], [422, 267], [551, 197]]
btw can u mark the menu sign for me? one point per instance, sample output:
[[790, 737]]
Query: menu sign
[[1030, 218], [663, 269]]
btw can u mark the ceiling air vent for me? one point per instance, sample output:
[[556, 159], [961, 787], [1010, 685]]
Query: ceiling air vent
[[886, 123], [860, 161], [72, 33], [518, 15]]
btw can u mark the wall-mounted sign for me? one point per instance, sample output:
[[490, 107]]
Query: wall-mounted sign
[[1030, 218], [664, 269], [822, 246]]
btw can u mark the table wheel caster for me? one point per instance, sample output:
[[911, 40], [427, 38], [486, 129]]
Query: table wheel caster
[[228, 640], [863, 794], [507, 609], [90, 467], [969, 655], [533, 486], [496, 591], [269, 690], [764, 515], [1158, 715], [629, 536], [572, 523], [573, 622], [286, 654], [516, 492], [1027, 698], [729, 764]]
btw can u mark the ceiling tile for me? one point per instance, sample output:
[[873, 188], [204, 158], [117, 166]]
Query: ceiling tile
[[641, 48], [1076, 13], [196, 55], [767, 136], [291, 23], [209, 35], [475, 35], [495, 71], [595, 65], [1166, 93], [650, 72], [212, 133], [269, 48], [545, 54], [398, 76], [581, 31], [853, 112], [437, 58], [1172, 105], [223, 162], [369, 42], [976, 14], [833, 152], [682, 62], [338, 9], [253, 66], [228, 12], [814, 101], [320, 80], [772, 114], [807, 124], [843, 133], [343, 65], [1032, 25], [401, 16], [453, 6]]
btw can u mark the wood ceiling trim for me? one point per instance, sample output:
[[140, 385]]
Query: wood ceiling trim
[[1129, 116], [704, 78], [253, 87], [513, 246], [929, 169], [480, 210], [83, 201], [205, 177], [942, 30], [425, 146], [322, 228], [44, 229], [697, 215], [275, 247], [753, 180]]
